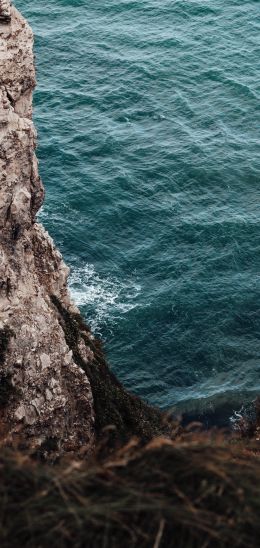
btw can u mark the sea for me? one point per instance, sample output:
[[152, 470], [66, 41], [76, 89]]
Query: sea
[[148, 122]]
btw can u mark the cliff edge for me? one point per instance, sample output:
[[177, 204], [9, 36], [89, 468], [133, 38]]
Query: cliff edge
[[56, 391], [44, 394]]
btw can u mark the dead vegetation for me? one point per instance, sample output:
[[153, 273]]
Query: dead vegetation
[[201, 490]]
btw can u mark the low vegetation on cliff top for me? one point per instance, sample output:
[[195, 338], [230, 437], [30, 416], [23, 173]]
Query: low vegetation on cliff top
[[191, 489], [199, 491]]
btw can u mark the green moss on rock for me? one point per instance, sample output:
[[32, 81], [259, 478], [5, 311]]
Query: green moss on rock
[[6, 390], [5, 335], [117, 411]]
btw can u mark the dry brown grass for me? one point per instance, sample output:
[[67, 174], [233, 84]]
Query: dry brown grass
[[200, 491]]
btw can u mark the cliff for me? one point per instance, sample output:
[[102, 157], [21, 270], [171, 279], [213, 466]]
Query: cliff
[[44, 394], [56, 391]]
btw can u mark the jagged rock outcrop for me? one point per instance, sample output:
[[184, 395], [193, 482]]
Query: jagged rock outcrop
[[57, 394], [45, 397]]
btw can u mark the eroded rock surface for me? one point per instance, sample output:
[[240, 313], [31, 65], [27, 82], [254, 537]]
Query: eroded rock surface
[[5, 11], [45, 397], [57, 393]]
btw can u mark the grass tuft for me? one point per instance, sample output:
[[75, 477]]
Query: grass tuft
[[196, 492]]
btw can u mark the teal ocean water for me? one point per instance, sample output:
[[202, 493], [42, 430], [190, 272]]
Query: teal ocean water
[[148, 120]]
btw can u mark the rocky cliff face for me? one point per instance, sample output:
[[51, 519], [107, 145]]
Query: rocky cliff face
[[57, 394], [45, 397]]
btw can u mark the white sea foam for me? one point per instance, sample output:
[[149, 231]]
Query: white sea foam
[[105, 299]]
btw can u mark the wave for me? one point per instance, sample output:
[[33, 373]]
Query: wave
[[103, 299]]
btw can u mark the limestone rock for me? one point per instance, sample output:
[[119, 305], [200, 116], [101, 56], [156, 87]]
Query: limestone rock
[[44, 394]]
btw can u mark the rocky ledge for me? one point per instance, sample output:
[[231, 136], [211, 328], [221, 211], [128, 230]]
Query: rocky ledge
[[56, 392]]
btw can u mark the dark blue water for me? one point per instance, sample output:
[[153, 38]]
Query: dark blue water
[[148, 120]]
